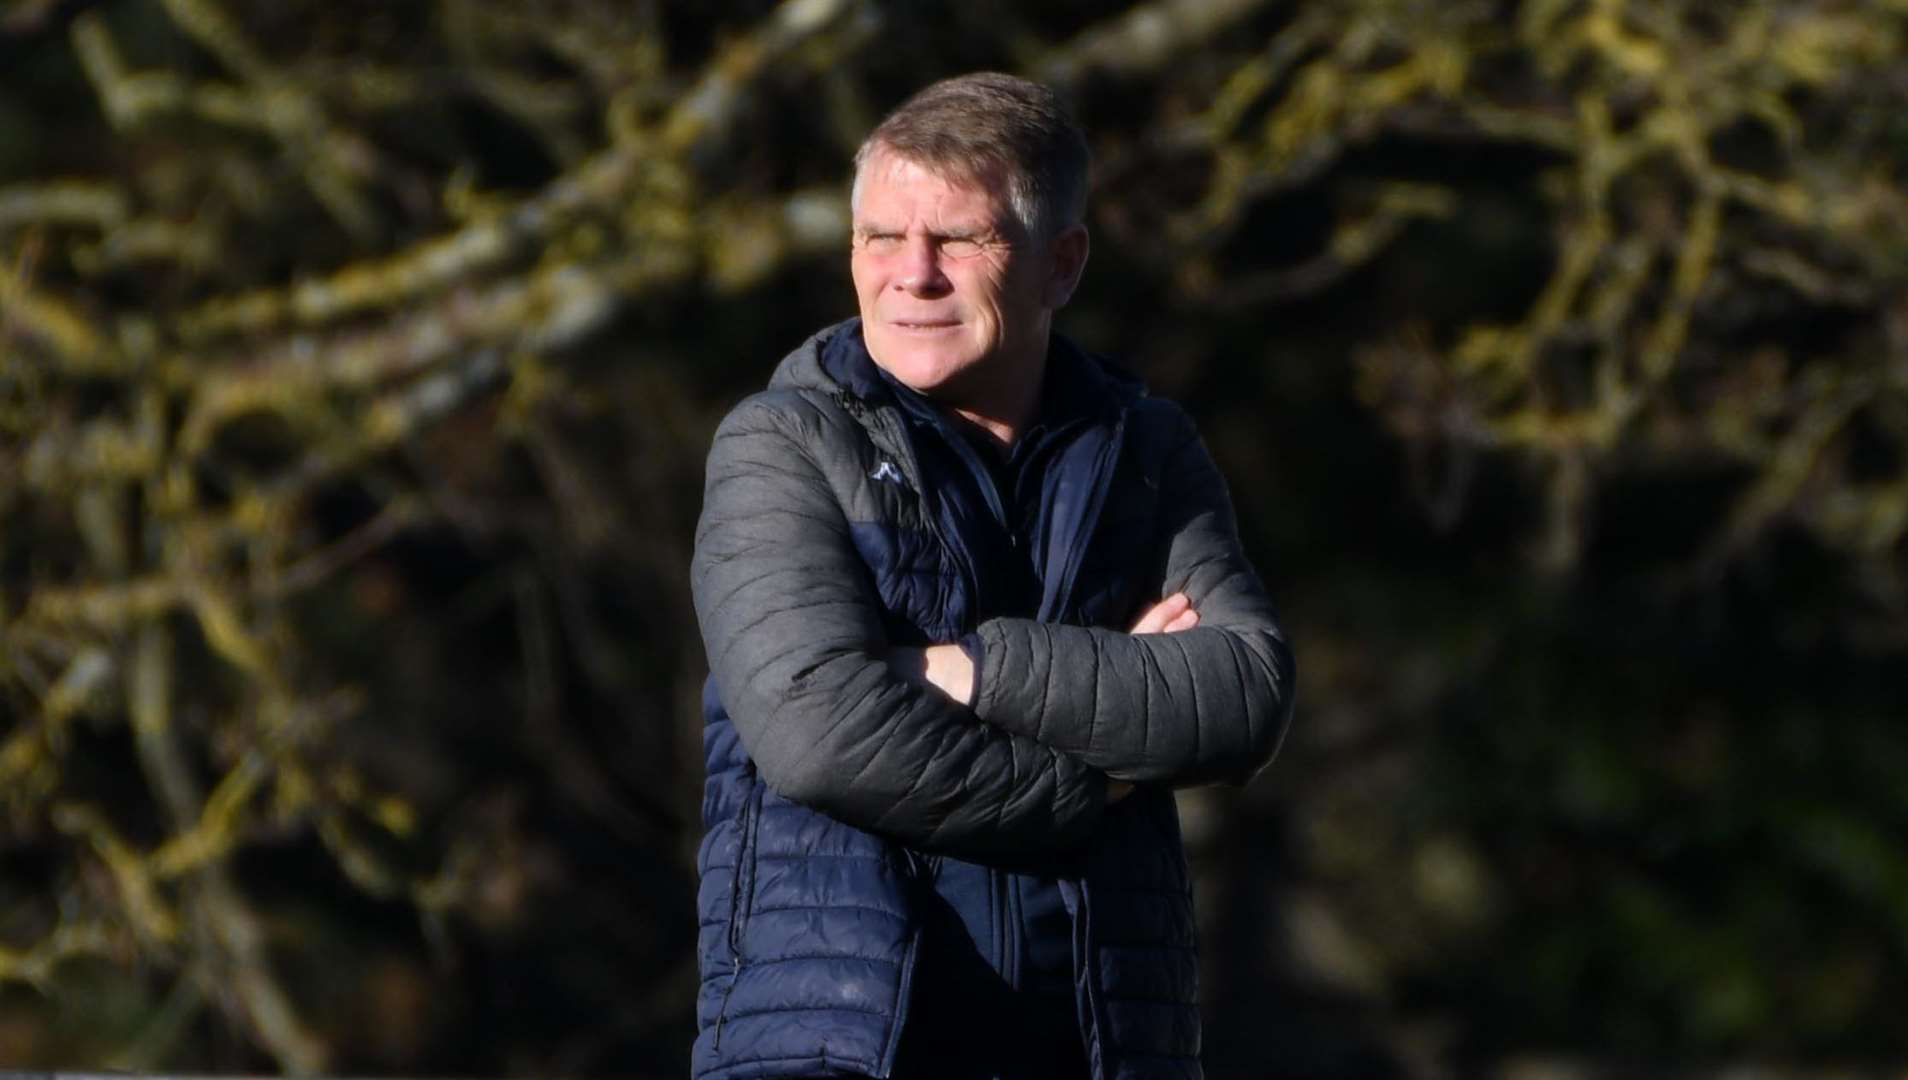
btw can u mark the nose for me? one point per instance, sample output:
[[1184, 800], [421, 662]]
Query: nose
[[920, 270]]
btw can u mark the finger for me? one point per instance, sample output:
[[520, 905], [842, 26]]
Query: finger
[[1153, 619], [1186, 621], [1156, 617]]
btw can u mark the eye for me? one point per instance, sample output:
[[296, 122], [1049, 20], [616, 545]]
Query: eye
[[880, 243], [961, 247]]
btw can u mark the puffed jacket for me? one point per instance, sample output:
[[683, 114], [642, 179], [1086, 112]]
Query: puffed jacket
[[831, 779]]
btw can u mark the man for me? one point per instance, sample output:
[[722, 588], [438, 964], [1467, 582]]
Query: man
[[974, 605]]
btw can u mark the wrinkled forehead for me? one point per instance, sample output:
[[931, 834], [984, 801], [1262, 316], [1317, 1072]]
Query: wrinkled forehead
[[985, 180]]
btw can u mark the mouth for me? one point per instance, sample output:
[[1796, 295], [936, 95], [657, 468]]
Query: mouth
[[924, 326]]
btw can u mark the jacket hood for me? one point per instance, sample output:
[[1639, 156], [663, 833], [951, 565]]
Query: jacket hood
[[801, 369]]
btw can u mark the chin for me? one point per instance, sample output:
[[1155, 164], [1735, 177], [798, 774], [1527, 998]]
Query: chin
[[922, 368]]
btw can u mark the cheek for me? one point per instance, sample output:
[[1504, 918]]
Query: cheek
[[869, 274], [992, 295]]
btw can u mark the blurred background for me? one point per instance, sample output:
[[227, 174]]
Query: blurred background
[[358, 361]]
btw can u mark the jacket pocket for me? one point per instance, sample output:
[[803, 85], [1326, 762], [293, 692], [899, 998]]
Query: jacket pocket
[[742, 887], [741, 897]]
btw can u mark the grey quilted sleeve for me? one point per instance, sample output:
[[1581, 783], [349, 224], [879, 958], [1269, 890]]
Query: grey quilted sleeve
[[1211, 703], [792, 625]]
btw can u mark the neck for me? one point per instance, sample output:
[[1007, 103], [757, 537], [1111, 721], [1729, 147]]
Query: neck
[[1004, 411], [1002, 433]]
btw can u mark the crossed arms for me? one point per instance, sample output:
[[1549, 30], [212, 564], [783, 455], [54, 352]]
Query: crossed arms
[[794, 634], [950, 670]]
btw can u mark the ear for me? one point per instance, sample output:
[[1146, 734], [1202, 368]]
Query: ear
[[1069, 252]]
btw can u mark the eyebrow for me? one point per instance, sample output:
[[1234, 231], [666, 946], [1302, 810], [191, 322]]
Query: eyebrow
[[978, 232]]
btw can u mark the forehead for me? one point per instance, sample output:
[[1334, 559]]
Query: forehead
[[894, 187]]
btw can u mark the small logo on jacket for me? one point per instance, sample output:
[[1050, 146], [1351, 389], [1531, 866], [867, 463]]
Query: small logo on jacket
[[886, 471]]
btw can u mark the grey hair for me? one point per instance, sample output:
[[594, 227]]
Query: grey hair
[[992, 128]]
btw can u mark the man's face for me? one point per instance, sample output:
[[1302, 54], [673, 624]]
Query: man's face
[[955, 298]]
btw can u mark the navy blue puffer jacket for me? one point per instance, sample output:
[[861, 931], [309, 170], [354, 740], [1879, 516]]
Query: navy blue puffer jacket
[[821, 545]]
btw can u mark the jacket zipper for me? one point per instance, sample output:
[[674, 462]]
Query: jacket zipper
[[920, 870], [1010, 965], [1051, 607], [1096, 1048], [1057, 598]]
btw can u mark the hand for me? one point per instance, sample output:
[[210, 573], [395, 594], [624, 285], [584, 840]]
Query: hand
[[944, 667], [1169, 616]]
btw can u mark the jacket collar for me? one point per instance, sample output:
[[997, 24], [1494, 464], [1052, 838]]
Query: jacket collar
[[1079, 385]]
